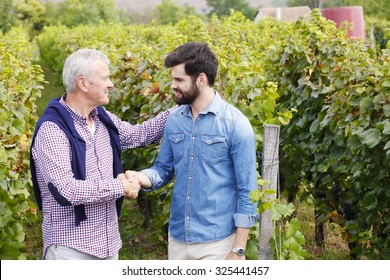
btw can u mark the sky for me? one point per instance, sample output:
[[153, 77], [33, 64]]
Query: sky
[[200, 5]]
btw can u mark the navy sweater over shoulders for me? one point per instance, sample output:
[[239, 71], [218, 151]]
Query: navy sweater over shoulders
[[58, 114]]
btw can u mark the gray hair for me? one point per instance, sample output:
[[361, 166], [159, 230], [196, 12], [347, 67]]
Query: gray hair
[[78, 64]]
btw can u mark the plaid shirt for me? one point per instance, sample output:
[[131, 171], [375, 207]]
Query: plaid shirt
[[99, 234]]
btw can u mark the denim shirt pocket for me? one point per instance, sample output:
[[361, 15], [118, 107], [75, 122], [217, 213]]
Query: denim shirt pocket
[[213, 148], [177, 143]]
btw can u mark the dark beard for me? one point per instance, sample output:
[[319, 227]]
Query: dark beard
[[189, 96]]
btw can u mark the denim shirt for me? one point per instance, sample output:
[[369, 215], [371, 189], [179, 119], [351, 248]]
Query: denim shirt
[[214, 160]]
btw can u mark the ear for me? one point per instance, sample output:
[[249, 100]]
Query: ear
[[82, 83], [202, 80]]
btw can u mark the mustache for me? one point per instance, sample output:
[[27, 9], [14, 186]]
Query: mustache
[[178, 91]]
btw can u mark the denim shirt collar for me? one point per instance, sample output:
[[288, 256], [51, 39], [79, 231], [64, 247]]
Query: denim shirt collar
[[213, 107]]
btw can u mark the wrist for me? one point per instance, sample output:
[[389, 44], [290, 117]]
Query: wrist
[[239, 251]]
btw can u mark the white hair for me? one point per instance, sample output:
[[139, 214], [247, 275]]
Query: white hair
[[78, 64]]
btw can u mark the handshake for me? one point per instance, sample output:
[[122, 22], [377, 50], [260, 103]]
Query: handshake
[[133, 181]]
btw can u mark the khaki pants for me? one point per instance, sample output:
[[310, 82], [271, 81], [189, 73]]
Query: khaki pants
[[217, 250], [56, 252]]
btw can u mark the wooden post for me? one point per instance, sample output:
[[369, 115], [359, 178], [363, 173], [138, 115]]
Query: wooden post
[[270, 171]]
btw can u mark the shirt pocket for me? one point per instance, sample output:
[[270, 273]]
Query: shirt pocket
[[213, 148], [177, 144]]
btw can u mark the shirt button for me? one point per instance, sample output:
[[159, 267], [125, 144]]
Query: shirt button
[[190, 178], [192, 157]]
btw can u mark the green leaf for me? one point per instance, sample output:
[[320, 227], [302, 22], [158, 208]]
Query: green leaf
[[282, 210], [386, 127], [386, 110], [370, 138], [366, 104], [268, 105], [255, 195], [314, 126]]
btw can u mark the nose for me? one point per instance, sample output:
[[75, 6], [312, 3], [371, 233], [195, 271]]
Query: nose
[[110, 84]]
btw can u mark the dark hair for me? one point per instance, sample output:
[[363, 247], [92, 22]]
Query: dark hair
[[198, 58]]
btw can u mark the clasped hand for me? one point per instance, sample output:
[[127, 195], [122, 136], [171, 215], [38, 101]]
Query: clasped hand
[[131, 184]]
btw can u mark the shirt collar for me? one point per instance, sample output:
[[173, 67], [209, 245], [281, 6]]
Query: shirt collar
[[75, 115], [213, 107]]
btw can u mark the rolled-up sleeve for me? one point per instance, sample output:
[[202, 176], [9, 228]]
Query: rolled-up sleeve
[[243, 154], [245, 220]]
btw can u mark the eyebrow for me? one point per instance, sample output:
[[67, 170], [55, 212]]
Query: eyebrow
[[178, 78]]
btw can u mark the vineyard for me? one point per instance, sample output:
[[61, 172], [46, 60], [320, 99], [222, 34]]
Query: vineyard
[[20, 86], [328, 92]]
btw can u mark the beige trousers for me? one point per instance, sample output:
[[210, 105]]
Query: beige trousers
[[56, 252], [217, 250]]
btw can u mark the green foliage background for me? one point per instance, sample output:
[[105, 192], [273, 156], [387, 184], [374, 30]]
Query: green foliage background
[[20, 85]]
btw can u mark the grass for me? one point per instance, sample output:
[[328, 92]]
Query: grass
[[51, 90], [34, 242], [140, 243], [335, 247]]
